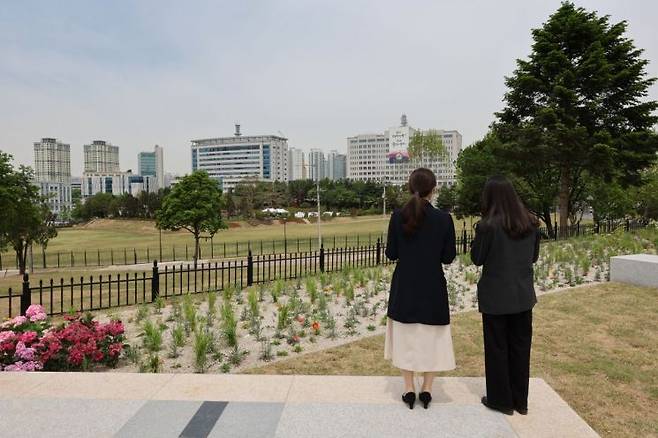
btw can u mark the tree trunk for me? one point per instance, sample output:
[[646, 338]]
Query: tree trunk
[[563, 196], [546, 217], [196, 249], [21, 254]]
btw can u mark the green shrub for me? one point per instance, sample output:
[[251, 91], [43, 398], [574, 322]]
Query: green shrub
[[229, 325], [152, 337], [202, 343]]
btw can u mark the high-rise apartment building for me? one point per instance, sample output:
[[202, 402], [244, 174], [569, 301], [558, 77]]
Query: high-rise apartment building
[[52, 161], [385, 157], [296, 164], [152, 164], [316, 165], [52, 173], [335, 165], [234, 159], [101, 157]]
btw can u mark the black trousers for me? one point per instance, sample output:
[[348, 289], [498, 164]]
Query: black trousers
[[507, 340]]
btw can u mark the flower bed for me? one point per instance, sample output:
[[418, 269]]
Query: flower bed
[[233, 329], [31, 342]]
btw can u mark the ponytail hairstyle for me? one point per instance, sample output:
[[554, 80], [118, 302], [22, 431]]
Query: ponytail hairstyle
[[502, 207], [421, 183]]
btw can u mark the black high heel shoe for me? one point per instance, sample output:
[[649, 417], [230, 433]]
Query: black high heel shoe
[[426, 398], [409, 398]]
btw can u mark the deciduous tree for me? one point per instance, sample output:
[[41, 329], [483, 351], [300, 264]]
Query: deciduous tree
[[194, 204]]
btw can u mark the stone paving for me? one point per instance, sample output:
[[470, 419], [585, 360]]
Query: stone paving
[[194, 405]]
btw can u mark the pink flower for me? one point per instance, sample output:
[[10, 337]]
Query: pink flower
[[23, 352], [18, 320], [7, 336], [24, 366], [35, 313]]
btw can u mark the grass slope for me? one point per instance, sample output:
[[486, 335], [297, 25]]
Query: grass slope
[[595, 345]]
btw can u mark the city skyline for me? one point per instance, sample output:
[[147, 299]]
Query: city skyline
[[141, 82]]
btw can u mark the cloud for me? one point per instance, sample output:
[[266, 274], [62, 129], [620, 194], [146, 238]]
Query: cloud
[[141, 73]]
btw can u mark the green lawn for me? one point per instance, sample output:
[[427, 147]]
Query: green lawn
[[114, 242], [595, 345]]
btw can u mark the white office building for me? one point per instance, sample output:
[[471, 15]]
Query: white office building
[[117, 183], [385, 157], [366, 157], [296, 164], [242, 158], [101, 157], [52, 173]]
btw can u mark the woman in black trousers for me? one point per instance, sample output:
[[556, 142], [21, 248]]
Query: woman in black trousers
[[420, 239], [506, 245]]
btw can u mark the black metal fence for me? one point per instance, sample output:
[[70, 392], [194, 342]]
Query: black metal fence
[[167, 279], [40, 258]]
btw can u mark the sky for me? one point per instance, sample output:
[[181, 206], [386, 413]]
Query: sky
[[140, 73]]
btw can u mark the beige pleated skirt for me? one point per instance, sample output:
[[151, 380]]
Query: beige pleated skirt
[[419, 347]]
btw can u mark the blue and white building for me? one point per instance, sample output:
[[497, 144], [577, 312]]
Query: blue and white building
[[240, 158]]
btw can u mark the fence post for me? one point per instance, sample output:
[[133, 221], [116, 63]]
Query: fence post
[[322, 257], [379, 252], [155, 282], [250, 269], [464, 239], [26, 295], [628, 225]]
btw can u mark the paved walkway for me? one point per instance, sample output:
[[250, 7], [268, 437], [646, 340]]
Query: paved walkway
[[192, 405]]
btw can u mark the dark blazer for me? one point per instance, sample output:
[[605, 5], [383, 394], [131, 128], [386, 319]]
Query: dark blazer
[[507, 282], [418, 288]]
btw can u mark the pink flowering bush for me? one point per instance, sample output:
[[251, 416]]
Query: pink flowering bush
[[30, 342]]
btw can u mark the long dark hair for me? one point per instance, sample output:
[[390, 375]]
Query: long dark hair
[[501, 206], [421, 183]]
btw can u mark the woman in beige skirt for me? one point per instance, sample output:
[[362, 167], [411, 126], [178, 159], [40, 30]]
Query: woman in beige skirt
[[421, 239]]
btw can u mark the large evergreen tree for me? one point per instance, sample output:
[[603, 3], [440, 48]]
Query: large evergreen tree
[[578, 105]]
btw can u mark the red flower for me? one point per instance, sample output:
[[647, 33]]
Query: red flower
[[115, 349], [27, 337], [76, 357], [98, 356], [315, 326]]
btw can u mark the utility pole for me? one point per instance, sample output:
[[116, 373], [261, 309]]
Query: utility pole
[[318, 196]]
